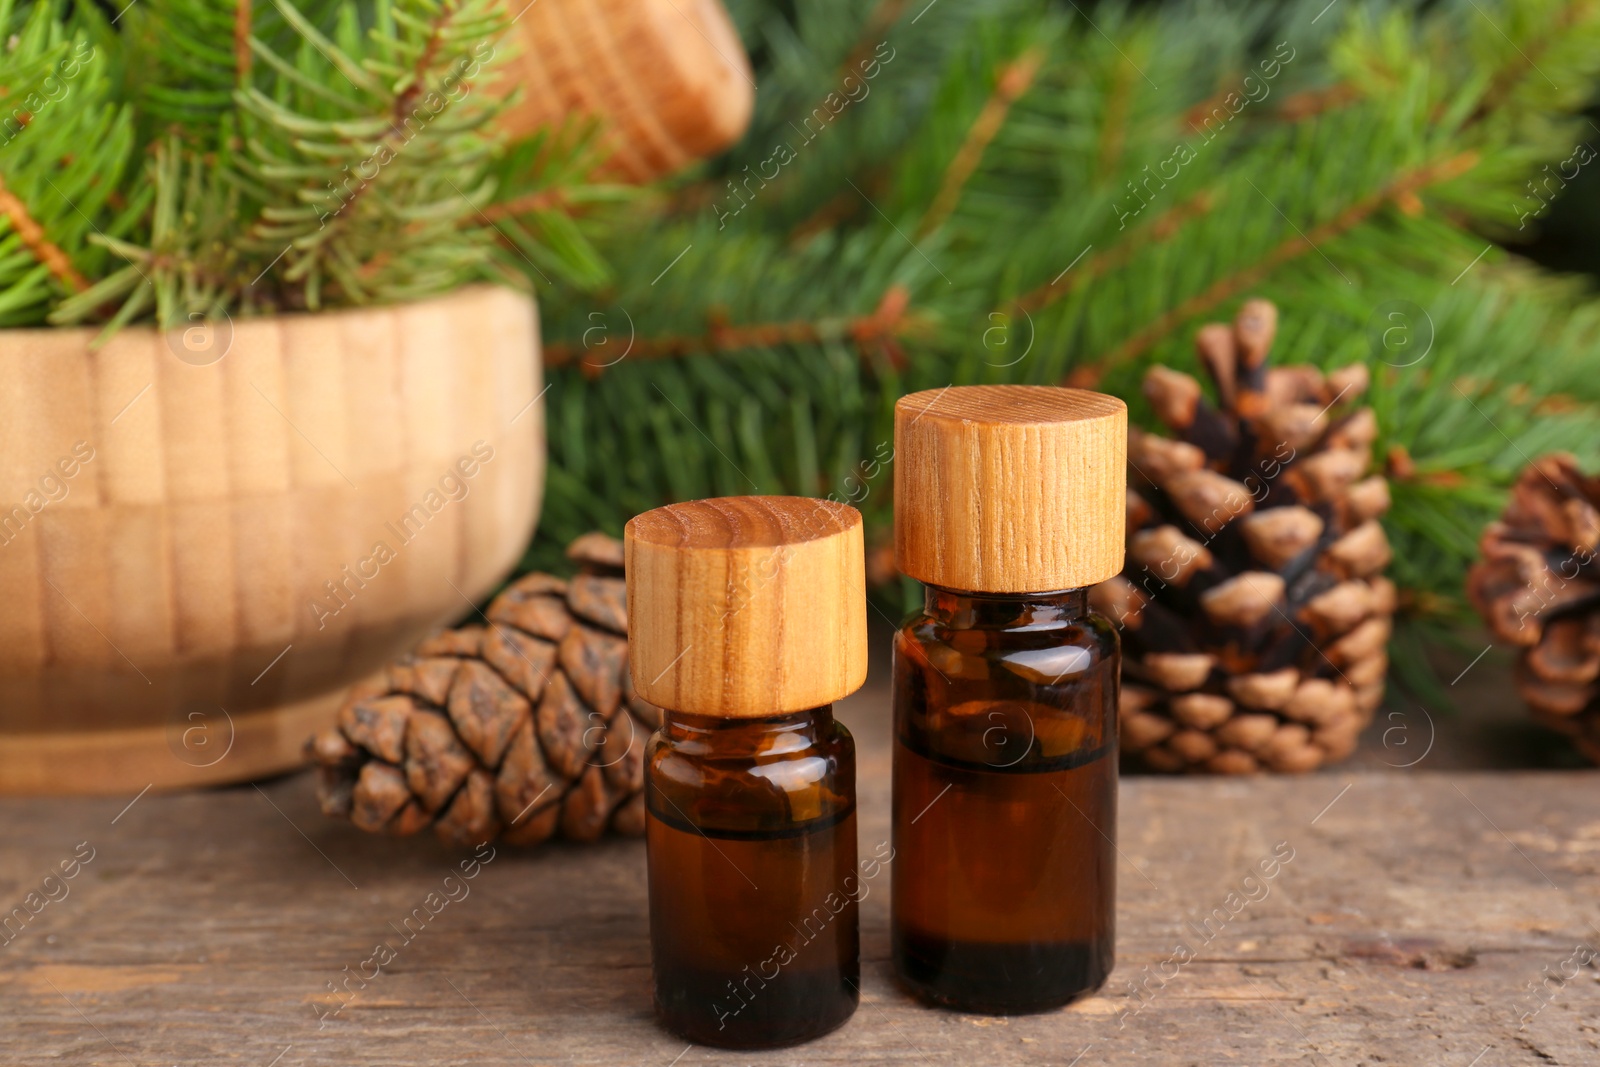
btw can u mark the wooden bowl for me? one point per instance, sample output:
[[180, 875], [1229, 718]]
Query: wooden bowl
[[668, 79], [207, 535]]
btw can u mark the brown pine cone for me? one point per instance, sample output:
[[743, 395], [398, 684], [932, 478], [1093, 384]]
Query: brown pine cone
[[1253, 608], [1537, 587], [518, 729]]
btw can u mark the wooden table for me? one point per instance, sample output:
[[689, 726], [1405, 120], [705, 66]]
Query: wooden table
[[1418, 911]]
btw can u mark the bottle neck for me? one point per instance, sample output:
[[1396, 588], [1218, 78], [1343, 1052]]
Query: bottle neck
[[733, 737], [962, 610]]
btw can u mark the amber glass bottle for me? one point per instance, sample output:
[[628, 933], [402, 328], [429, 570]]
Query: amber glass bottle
[[752, 842], [747, 619], [1009, 503]]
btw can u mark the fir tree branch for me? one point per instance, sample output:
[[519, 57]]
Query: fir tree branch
[[1088, 375], [437, 28], [242, 52], [361, 78], [1518, 394], [884, 15], [34, 238], [1526, 62], [1115, 258], [543, 200], [1300, 107], [1114, 130], [879, 331], [395, 138], [838, 208], [1304, 105], [1015, 79]]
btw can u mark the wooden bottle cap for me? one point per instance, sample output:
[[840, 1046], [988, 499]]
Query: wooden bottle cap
[[747, 606], [1009, 488]]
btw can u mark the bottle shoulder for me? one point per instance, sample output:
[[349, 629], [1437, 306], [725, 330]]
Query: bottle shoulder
[[1021, 698], [1039, 652], [832, 739], [783, 782], [1090, 630]]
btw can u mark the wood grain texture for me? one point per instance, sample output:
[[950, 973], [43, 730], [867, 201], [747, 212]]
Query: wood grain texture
[[747, 606], [188, 543], [1406, 930], [1009, 488], [668, 79]]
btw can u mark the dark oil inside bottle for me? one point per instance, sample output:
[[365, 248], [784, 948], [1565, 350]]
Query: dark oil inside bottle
[[1005, 791], [751, 834]]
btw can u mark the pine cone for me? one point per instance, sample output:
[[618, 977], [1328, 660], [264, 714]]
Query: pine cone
[[1254, 614], [517, 729], [1538, 589]]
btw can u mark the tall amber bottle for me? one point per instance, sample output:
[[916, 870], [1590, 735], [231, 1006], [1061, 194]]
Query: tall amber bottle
[[1009, 503], [747, 620]]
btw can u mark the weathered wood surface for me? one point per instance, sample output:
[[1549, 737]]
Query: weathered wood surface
[[1417, 912]]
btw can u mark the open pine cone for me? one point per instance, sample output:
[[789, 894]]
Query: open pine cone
[[1537, 587], [1254, 613], [518, 729]]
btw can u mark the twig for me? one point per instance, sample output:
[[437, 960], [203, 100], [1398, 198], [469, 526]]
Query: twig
[[886, 14], [835, 210], [1158, 231], [242, 54], [1290, 249], [844, 204], [878, 331], [1508, 77], [1310, 103], [543, 200], [403, 101], [1114, 132], [1015, 79], [33, 236], [1313, 102], [1519, 395]]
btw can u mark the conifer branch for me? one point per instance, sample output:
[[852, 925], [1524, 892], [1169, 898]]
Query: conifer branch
[[1385, 103], [837, 209], [877, 332], [1015, 79], [1526, 62], [407, 98], [1308, 104], [33, 237], [243, 54], [885, 14], [527, 204], [1162, 229], [1229, 286], [1300, 107], [1114, 129], [395, 138]]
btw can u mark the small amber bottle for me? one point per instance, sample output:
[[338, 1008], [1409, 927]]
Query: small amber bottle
[[1009, 502], [747, 620]]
